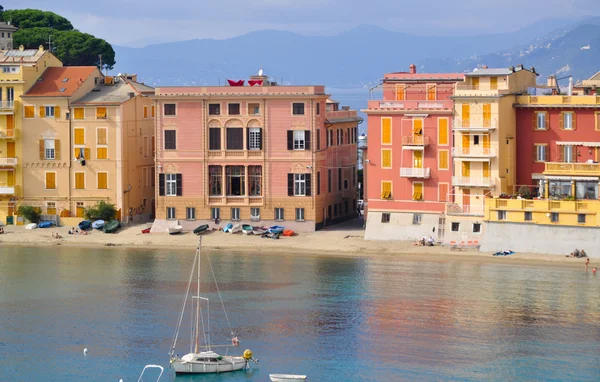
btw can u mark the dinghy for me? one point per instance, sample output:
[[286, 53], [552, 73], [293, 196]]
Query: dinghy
[[258, 230], [276, 229], [84, 225], [236, 228], [247, 229], [98, 224], [45, 224], [288, 232], [286, 377], [112, 226], [175, 230], [146, 230], [228, 227], [201, 229], [31, 226]]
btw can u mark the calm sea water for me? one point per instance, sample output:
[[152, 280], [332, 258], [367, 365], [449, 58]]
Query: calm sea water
[[334, 319]]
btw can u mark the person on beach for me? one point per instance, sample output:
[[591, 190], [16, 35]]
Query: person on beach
[[1, 230], [430, 241], [594, 270], [587, 263]]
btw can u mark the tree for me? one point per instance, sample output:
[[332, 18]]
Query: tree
[[30, 213], [101, 211], [35, 18]]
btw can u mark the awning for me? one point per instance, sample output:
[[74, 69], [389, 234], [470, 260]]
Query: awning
[[586, 144], [581, 178], [416, 147]]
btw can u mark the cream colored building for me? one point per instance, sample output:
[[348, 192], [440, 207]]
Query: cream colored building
[[484, 152], [6, 35], [97, 146]]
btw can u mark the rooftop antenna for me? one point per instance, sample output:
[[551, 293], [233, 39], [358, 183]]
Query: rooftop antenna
[[50, 43]]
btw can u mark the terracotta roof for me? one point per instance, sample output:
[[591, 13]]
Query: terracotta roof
[[60, 81], [424, 76], [121, 90]]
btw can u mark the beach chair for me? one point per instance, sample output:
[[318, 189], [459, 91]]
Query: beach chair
[[453, 246]]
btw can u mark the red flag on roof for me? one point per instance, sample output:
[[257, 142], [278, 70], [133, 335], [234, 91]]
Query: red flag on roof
[[236, 83], [255, 82]]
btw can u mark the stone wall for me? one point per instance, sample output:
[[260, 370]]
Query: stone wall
[[400, 226]]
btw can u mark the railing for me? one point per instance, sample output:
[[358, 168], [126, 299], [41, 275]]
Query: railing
[[338, 114], [488, 87], [7, 190], [559, 99], [465, 210], [255, 200], [538, 205], [415, 140], [235, 200], [475, 123], [8, 161], [7, 105], [468, 181], [8, 133], [235, 153], [411, 105], [474, 151], [572, 168], [411, 172]]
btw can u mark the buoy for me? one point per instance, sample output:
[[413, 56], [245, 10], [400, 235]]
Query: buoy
[[247, 354], [85, 351]]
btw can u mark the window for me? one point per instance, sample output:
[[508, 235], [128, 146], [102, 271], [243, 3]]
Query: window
[[345, 184], [101, 136], [494, 83], [475, 140], [214, 139], [51, 208], [171, 213], [476, 227], [329, 138], [418, 191], [214, 109], [236, 180], [541, 153], [190, 213], [431, 93], [385, 217], [102, 180], [79, 180], [170, 109], [253, 109], [100, 113], [569, 154], [29, 112], [455, 227], [554, 217], [255, 214], [299, 184], [254, 138], [235, 138], [152, 109], [568, 121], [48, 111], [417, 218], [79, 113], [386, 158], [442, 131], [298, 108], [171, 183], [318, 139], [215, 213], [255, 179], [145, 111], [581, 218], [299, 140], [152, 176], [279, 214], [300, 214], [400, 89], [146, 147], [319, 183], [214, 182], [50, 180], [386, 131], [443, 160], [386, 190], [501, 215], [49, 149], [329, 180], [318, 109], [541, 123], [586, 190], [170, 139], [346, 206], [339, 179], [233, 109], [79, 136], [354, 175], [559, 188], [528, 216]]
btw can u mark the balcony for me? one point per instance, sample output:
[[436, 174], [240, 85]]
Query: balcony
[[480, 90], [415, 140], [236, 154], [7, 134], [411, 172], [8, 162], [559, 168], [471, 181], [7, 107], [464, 210], [235, 200], [589, 100], [411, 105], [475, 124], [7, 190], [476, 151]]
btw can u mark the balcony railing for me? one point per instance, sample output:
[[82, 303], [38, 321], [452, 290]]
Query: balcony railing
[[475, 123], [235, 200], [464, 210], [558, 100], [476, 151], [559, 168], [238, 154], [7, 107], [481, 88], [411, 172], [11, 162], [415, 140], [411, 105], [7, 134], [7, 190], [471, 181]]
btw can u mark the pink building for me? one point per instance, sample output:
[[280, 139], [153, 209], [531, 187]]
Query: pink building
[[260, 154], [408, 166]]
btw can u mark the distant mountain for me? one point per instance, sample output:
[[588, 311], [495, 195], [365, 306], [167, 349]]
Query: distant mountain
[[359, 57]]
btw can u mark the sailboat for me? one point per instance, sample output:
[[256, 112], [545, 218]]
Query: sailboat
[[203, 359]]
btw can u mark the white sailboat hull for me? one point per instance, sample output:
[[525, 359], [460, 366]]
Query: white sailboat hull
[[223, 365], [286, 377]]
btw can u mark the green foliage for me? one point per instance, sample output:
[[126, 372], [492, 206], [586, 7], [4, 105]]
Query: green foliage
[[35, 18], [30, 213], [525, 192], [72, 47], [101, 211]]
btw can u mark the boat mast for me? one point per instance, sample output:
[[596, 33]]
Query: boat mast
[[198, 296]]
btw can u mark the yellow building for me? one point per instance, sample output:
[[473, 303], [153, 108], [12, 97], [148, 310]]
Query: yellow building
[[91, 140], [484, 152], [19, 70]]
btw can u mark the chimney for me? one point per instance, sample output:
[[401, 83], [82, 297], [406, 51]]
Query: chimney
[[551, 81], [412, 69]]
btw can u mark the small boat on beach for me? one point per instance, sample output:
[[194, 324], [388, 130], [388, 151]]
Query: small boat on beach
[[228, 227], [31, 226], [146, 230], [112, 226], [98, 224], [84, 225], [200, 229], [276, 229], [247, 229], [258, 230], [286, 377], [236, 228], [175, 230], [45, 224], [288, 232]]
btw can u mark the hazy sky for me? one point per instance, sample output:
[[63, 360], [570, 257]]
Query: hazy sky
[[141, 22]]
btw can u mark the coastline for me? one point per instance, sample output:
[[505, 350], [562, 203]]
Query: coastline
[[344, 240]]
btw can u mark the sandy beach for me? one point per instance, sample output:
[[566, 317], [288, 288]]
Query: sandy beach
[[341, 240]]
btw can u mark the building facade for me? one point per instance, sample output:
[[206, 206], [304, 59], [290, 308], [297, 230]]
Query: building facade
[[484, 152], [19, 71], [409, 162], [6, 35], [262, 154], [94, 135]]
